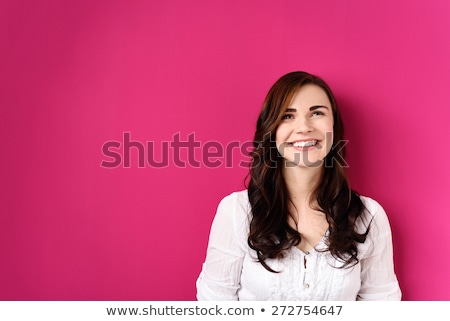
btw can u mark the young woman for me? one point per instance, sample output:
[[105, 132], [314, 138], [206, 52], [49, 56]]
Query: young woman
[[299, 232]]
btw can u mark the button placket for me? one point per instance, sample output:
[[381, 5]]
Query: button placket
[[305, 265]]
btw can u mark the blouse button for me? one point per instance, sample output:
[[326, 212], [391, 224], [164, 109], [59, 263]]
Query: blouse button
[[307, 252], [307, 286]]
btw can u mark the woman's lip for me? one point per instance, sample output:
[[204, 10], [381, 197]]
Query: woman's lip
[[300, 148], [304, 140], [316, 144]]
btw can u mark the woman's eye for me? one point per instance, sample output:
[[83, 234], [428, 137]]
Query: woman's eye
[[318, 113], [288, 116]]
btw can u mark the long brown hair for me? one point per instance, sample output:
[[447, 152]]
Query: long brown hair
[[270, 233]]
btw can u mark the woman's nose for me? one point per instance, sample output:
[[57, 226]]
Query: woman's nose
[[303, 125]]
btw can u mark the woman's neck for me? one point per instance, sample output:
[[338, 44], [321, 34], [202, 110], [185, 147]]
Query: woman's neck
[[301, 181]]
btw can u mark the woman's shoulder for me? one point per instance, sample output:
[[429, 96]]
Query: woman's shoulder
[[234, 209], [239, 196], [237, 200], [372, 206], [376, 214]]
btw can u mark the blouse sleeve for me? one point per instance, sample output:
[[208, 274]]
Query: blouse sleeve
[[378, 279], [219, 279]]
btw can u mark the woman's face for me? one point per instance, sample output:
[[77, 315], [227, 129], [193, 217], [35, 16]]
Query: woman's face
[[305, 134]]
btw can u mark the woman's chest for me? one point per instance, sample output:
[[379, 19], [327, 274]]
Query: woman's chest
[[311, 276]]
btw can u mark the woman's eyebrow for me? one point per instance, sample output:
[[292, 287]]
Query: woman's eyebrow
[[317, 107], [291, 110]]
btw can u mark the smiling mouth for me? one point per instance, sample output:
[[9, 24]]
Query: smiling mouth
[[308, 143]]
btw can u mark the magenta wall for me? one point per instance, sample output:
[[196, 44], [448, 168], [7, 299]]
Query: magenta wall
[[78, 74]]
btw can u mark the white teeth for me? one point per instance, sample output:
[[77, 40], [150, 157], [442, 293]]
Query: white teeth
[[305, 144]]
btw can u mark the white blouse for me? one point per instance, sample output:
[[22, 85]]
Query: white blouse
[[231, 271]]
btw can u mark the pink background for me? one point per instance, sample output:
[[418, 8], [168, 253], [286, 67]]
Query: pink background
[[76, 74]]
